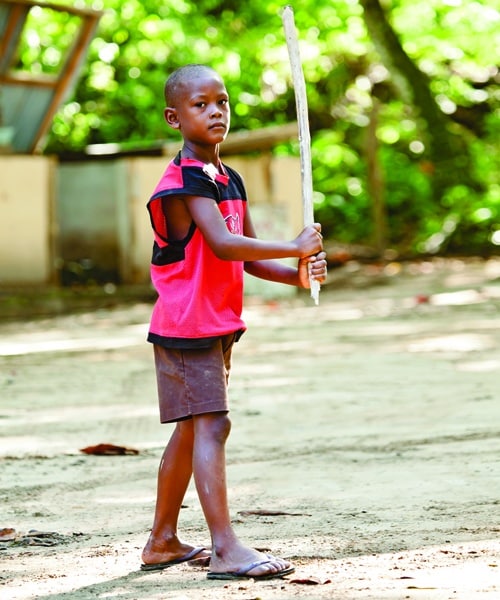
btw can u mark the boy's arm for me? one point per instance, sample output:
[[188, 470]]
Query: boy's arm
[[272, 270], [247, 248]]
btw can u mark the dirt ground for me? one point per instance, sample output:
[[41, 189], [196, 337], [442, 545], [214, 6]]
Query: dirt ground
[[365, 445]]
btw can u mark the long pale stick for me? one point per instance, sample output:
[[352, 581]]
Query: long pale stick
[[299, 85]]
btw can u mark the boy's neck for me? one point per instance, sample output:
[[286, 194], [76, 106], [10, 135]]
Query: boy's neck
[[205, 155]]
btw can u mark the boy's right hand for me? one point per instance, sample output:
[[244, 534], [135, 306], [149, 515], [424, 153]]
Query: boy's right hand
[[310, 240]]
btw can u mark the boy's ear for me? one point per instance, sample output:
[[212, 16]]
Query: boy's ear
[[171, 117]]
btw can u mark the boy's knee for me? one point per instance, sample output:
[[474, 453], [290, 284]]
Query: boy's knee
[[224, 426], [221, 427], [216, 425]]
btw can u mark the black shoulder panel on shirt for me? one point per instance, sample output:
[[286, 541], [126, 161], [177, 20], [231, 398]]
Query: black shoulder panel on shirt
[[171, 253], [236, 181]]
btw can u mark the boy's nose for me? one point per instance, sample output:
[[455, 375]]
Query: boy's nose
[[216, 111]]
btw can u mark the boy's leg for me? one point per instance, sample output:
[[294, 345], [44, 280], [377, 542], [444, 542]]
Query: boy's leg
[[209, 467], [173, 479]]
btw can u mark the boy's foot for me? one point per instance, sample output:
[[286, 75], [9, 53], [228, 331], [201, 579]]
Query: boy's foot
[[195, 556], [267, 568]]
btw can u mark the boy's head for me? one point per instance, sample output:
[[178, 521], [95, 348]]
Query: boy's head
[[181, 78], [198, 104]]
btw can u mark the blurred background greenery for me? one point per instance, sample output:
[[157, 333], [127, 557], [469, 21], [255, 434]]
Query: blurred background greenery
[[403, 101]]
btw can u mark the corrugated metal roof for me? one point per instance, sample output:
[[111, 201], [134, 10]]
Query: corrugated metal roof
[[28, 101]]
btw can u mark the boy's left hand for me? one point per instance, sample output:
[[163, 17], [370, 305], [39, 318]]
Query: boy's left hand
[[314, 266]]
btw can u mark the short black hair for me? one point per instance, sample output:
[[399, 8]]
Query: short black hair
[[180, 76]]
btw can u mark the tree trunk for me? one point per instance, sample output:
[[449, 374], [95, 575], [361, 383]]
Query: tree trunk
[[446, 151], [375, 183]]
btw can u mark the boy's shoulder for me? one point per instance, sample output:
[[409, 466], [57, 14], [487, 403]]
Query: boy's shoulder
[[191, 176], [182, 174]]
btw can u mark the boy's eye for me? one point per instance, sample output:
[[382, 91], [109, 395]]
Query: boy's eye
[[203, 104]]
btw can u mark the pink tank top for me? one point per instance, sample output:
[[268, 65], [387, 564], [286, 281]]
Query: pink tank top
[[200, 296]]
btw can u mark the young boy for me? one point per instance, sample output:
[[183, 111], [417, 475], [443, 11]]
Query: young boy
[[203, 241]]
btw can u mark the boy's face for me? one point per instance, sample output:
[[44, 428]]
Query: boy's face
[[200, 110]]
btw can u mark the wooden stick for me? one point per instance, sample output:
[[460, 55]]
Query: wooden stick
[[299, 85]]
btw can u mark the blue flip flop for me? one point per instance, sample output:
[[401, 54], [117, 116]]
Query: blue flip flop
[[191, 555], [243, 573]]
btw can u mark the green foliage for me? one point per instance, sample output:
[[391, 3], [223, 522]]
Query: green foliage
[[119, 98], [47, 36]]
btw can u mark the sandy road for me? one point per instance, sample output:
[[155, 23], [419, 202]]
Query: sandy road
[[371, 425]]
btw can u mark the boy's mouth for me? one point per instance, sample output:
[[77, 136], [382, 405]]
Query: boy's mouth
[[218, 125]]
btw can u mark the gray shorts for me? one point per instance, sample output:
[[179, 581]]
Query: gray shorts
[[193, 382]]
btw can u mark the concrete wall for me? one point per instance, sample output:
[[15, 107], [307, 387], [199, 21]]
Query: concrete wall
[[27, 220], [144, 174], [98, 209], [92, 212]]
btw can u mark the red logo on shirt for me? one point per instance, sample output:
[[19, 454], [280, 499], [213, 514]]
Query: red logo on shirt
[[233, 224]]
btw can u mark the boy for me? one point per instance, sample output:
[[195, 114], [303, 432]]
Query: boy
[[203, 240]]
